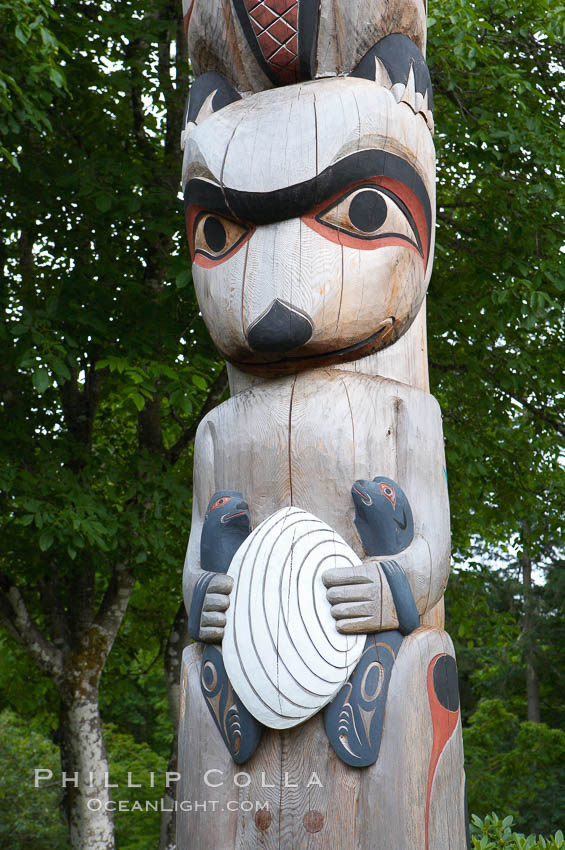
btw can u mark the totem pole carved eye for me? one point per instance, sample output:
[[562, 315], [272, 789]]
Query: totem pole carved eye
[[215, 238], [373, 214], [388, 492], [370, 213], [223, 500]]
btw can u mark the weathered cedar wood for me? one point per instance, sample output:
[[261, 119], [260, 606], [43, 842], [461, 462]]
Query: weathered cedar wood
[[346, 400]]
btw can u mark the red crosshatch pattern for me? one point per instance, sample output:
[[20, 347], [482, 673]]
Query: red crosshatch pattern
[[275, 23]]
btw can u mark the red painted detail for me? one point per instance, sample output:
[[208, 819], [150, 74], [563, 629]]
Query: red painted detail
[[263, 17], [388, 493], [191, 215], [268, 44], [416, 210], [279, 6], [187, 18], [282, 58], [397, 188], [292, 44], [281, 31], [223, 500], [444, 723], [275, 23]]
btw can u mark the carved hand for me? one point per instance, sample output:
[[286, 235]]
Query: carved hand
[[360, 599], [216, 603]]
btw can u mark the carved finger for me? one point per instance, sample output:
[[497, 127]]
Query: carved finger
[[353, 609], [357, 626], [209, 634], [216, 602], [337, 577], [212, 618], [221, 584], [346, 593]]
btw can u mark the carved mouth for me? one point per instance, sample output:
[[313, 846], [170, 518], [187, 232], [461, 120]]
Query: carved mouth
[[294, 364]]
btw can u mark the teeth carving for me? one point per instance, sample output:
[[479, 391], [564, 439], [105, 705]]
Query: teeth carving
[[205, 111], [381, 74], [418, 102], [409, 95]]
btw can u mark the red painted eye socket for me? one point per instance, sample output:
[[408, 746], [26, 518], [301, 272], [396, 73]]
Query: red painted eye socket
[[223, 500], [388, 492], [213, 238], [372, 214]]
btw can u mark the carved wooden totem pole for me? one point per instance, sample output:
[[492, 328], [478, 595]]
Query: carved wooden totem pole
[[319, 703]]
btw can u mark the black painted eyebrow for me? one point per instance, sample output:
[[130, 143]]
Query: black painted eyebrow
[[295, 201]]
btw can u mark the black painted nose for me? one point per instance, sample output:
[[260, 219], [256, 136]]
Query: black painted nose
[[280, 329]]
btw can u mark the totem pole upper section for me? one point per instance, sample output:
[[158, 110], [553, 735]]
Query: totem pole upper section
[[322, 173], [258, 44]]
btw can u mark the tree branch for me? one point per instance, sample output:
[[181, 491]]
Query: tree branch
[[216, 392], [15, 617], [54, 610], [538, 413], [149, 430], [114, 604], [131, 51]]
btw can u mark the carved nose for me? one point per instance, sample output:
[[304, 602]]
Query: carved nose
[[280, 329]]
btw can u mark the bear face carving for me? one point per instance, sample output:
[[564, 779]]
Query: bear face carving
[[310, 215]]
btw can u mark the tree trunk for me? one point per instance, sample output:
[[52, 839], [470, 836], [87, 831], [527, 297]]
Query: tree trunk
[[532, 683], [85, 774], [176, 643]]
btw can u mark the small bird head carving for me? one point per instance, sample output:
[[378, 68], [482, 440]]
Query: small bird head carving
[[383, 516], [228, 507], [226, 525]]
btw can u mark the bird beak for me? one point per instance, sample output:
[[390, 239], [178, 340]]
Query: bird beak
[[227, 517], [366, 499]]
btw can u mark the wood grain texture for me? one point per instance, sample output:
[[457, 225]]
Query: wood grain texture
[[217, 41], [381, 807], [310, 214], [272, 149], [281, 650], [406, 361], [316, 435]]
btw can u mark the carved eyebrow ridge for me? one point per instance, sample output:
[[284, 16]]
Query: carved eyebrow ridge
[[294, 201]]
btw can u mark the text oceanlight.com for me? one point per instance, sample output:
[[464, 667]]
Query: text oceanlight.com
[[162, 805]]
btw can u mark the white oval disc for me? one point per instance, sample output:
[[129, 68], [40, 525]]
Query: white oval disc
[[282, 651]]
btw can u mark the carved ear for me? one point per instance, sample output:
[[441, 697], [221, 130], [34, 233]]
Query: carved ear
[[209, 93], [397, 64]]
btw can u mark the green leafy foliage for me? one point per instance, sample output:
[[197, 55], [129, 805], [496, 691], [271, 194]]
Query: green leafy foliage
[[494, 833], [496, 337], [137, 816], [495, 315], [31, 73], [30, 816], [518, 765]]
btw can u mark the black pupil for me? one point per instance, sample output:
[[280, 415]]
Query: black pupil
[[367, 211], [215, 234]]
